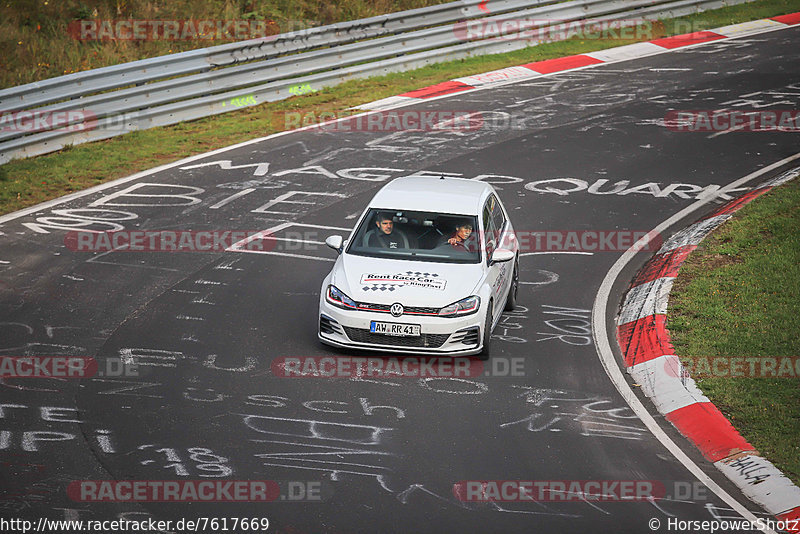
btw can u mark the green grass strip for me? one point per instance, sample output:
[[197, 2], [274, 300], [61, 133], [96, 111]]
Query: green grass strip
[[738, 295]]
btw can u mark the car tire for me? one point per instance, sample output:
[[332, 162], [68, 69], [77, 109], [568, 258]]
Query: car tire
[[511, 299], [485, 353]]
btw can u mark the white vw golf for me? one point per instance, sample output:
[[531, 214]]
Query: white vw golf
[[428, 268]]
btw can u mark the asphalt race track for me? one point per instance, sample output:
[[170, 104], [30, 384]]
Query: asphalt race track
[[201, 330]]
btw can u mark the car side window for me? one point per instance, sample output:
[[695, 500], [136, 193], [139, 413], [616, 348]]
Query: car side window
[[498, 217], [489, 230]]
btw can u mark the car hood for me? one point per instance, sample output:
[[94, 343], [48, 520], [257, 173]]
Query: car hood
[[411, 283]]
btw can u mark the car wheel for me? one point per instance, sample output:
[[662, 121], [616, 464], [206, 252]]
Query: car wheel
[[487, 334], [511, 299]]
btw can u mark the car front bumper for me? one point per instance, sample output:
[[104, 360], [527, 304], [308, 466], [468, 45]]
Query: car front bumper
[[439, 335]]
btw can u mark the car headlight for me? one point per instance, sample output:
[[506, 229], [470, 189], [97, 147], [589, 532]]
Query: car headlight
[[336, 296], [462, 307]]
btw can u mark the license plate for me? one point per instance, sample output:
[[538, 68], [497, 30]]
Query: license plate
[[394, 329]]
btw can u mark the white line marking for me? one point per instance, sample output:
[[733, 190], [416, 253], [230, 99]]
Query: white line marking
[[269, 233], [609, 362], [231, 198], [323, 226], [283, 199], [258, 235], [723, 132], [298, 240], [225, 164], [287, 254]]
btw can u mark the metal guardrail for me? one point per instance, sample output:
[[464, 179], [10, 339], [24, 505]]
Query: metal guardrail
[[166, 90]]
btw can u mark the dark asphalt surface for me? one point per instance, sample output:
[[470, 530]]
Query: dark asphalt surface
[[203, 328]]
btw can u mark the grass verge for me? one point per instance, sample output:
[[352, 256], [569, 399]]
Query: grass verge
[[737, 296], [36, 43], [30, 181]]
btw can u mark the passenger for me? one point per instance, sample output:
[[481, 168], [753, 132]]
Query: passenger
[[387, 236]]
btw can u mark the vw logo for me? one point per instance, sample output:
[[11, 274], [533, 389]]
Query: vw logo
[[396, 309]]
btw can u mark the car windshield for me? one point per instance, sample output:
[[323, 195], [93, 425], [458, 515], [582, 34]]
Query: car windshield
[[417, 235]]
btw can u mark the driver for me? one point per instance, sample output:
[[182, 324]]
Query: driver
[[460, 239]]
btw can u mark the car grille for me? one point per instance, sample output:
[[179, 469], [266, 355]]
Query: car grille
[[384, 308], [360, 335]]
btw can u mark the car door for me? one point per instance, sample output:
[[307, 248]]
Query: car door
[[498, 273], [504, 239]]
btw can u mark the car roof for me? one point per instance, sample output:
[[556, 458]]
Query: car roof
[[428, 193]]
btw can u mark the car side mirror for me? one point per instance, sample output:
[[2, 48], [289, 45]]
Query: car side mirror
[[501, 255], [335, 242]]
